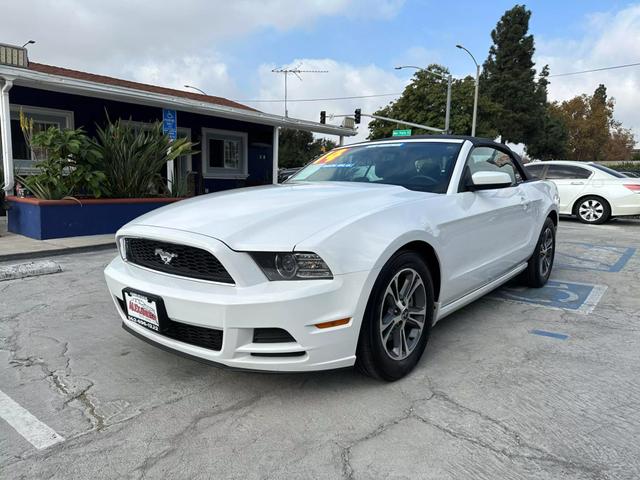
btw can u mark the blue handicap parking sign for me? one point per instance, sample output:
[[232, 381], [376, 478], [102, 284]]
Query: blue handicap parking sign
[[556, 294], [588, 256], [170, 123]]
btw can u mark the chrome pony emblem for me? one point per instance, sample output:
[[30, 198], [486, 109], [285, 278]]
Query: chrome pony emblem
[[165, 256]]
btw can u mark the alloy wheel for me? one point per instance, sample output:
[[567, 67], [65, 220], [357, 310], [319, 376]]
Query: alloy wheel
[[403, 313], [546, 252], [591, 210]]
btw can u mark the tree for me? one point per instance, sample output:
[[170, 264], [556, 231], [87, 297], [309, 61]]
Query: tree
[[620, 144], [424, 101], [508, 79], [593, 133], [298, 147], [551, 141]]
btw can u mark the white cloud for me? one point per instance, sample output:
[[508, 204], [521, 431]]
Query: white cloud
[[610, 39], [206, 73], [172, 44], [105, 35], [342, 80]]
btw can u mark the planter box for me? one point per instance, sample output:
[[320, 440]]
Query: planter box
[[44, 219]]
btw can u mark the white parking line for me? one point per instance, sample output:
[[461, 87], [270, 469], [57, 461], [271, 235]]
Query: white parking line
[[32, 429]]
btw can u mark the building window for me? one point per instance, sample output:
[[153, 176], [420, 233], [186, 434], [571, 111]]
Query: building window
[[24, 158], [224, 154]]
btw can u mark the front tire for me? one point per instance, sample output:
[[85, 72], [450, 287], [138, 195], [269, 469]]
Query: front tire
[[593, 210], [541, 262], [397, 320]]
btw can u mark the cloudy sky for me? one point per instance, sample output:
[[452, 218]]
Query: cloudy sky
[[228, 48]]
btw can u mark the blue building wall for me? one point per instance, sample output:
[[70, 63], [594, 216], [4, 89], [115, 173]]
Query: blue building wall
[[89, 111]]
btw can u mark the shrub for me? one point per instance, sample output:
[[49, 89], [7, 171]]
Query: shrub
[[132, 159], [626, 166]]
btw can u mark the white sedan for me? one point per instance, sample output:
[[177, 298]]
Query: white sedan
[[590, 191], [350, 262]]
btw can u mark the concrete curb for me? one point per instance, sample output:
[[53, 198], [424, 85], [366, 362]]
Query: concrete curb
[[56, 252], [31, 269]]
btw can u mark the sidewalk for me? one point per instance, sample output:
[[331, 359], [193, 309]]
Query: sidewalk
[[16, 247]]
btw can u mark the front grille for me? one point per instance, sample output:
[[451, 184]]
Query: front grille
[[182, 260], [271, 335], [193, 335]]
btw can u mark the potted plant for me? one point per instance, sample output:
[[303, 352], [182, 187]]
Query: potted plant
[[92, 186]]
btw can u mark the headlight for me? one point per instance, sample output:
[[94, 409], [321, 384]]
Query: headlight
[[292, 265]]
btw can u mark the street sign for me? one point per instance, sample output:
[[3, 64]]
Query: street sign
[[402, 133], [169, 123]]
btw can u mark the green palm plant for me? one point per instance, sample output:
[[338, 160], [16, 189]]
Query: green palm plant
[[133, 159]]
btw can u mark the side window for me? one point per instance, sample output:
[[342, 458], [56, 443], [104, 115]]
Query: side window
[[567, 172], [489, 159], [535, 170]]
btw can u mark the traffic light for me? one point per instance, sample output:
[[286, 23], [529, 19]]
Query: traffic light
[[323, 117], [357, 115]]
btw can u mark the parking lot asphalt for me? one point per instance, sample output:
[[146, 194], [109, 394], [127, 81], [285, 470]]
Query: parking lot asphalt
[[523, 384]]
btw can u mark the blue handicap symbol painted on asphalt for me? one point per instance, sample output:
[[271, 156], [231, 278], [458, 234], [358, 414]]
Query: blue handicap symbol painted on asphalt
[[546, 333], [556, 294], [588, 256]]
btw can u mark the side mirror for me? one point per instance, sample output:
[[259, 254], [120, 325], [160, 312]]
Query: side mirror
[[489, 181]]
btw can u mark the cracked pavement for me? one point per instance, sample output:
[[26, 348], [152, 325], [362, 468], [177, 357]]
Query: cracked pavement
[[488, 400]]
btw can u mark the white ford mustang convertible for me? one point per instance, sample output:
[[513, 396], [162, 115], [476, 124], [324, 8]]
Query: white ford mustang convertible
[[351, 262]]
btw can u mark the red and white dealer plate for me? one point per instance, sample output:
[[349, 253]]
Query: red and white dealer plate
[[142, 310]]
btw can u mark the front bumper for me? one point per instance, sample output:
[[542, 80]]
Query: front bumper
[[295, 306]]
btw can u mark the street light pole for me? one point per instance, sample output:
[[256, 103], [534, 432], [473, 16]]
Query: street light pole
[[475, 102], [475, 96], [195, 88], [448, 78], [447, 114]]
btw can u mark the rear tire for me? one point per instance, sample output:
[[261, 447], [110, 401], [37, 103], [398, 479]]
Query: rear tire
[[397, 321], [541, 262], [592, 210]]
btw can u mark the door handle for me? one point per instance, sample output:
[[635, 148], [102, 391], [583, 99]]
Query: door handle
[[577, 183]]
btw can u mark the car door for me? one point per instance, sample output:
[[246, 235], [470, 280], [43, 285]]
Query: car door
[[571, 181], [490, 234]]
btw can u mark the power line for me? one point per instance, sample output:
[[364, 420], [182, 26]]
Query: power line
[[596, 70], [354, 97], [320, 99]]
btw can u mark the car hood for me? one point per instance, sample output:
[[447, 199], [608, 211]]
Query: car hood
[[276, 217]]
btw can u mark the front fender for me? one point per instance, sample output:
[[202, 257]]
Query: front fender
[[368, 243]]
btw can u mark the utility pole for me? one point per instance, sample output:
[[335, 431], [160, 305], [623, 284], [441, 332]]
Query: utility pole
[[296, 71]]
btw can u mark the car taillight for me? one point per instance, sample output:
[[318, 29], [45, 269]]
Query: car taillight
[[633, 187]]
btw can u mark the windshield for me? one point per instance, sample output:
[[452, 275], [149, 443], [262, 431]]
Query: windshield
[[422, 166], [608, 170]]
